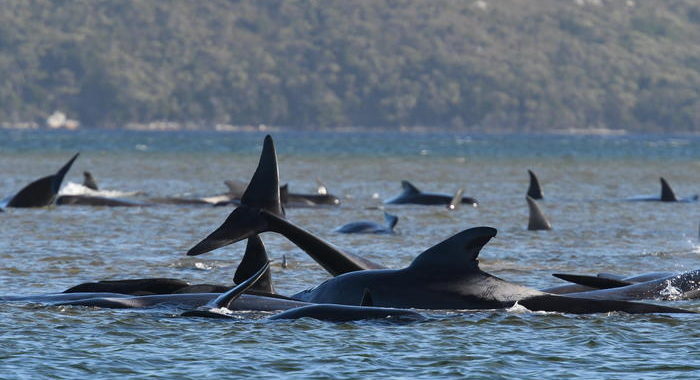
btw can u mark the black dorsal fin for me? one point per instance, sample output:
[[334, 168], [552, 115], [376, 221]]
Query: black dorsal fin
[[255, 256], [537, 220], [534, 191], [42, 192], [284, 193], [390, 220], [367, 298], [408, 188], [89, 181], [456, 200], [263, 190], [592, 281], [457, 253], [225, 299], [667, 194]]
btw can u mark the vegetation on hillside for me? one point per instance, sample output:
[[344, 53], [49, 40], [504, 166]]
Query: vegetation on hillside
[[517, 65]]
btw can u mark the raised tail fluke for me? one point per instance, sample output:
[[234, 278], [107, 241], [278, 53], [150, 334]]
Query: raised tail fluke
[[262, 193], [534, 191], [537, 221], [667, 194], [42, 192]]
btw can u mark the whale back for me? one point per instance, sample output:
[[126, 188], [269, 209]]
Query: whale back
[[534, 190], [537, 220], [42, 192], [667, 194]]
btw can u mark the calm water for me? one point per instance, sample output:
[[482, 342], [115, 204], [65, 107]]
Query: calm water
[[584, 180]]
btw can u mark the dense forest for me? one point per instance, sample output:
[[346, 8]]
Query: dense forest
[[490, 65]]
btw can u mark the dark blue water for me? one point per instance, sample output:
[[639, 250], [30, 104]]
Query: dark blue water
[[585, 180]]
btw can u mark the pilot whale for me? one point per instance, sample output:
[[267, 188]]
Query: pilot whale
[[667, 195], [445, 276], [411, 195], [367, 227], [289, 199], [41, 192]]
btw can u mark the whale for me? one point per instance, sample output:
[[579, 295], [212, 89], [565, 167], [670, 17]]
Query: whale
[[411, 195], [657, 285], [368, 227], [43, 191], [445, 276], [536, 221], [288, 199], [92, 200], [534, 191], [667, 195]]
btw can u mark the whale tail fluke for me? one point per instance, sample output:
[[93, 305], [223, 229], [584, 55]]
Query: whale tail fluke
[[537, 220], [667, 194], [262, 193], [254, 258], [42, 192], [390, 220]]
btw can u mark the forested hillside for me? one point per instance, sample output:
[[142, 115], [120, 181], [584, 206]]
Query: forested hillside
[[490, 65]]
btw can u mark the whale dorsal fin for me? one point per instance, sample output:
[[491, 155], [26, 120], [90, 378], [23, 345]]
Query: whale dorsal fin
[[537, 220], [390, 220], [89, 181], [667, 194], [457, 253], [255, 257], [42, 192], [534, 191], [225, 299], [592, 281], [367, 298], [456, 200], [263, 190], [284, 193], [408, 188]]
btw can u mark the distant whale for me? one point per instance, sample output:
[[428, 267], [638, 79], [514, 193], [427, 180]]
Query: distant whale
[[537, 221], [411, 195], [288, 199], [667, 195], [534, 191], [41, 192], [91, 200], [445, 276], [367, 227]]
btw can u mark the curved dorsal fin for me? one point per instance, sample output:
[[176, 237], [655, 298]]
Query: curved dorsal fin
[[89, 181], [42, 192], [408, 188], [367, 298], [255, 256], [225, 299], [667, 194], [284, 193], [390, 220], [457, 253], [263, 190], [534, 191], [537, 220]]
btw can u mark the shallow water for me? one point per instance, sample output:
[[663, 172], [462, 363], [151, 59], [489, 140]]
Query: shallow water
[[585, 181]]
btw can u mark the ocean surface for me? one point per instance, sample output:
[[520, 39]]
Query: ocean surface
[[585, 179]]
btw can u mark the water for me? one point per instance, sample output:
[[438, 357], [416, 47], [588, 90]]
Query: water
[[584, 179]]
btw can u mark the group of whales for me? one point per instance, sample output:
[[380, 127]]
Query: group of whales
[[445, 276]]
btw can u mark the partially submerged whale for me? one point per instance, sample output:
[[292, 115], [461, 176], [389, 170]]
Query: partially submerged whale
[[92, 200], [411, 195], [368, 227], [536, 221], [289, 199], [657, 285], [445, 276], [667, 195], [41, 192], [534, 191]]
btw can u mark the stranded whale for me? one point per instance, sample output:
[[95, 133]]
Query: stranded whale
[[411, 195], [367, 227], [667, 195], [41, 192]]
